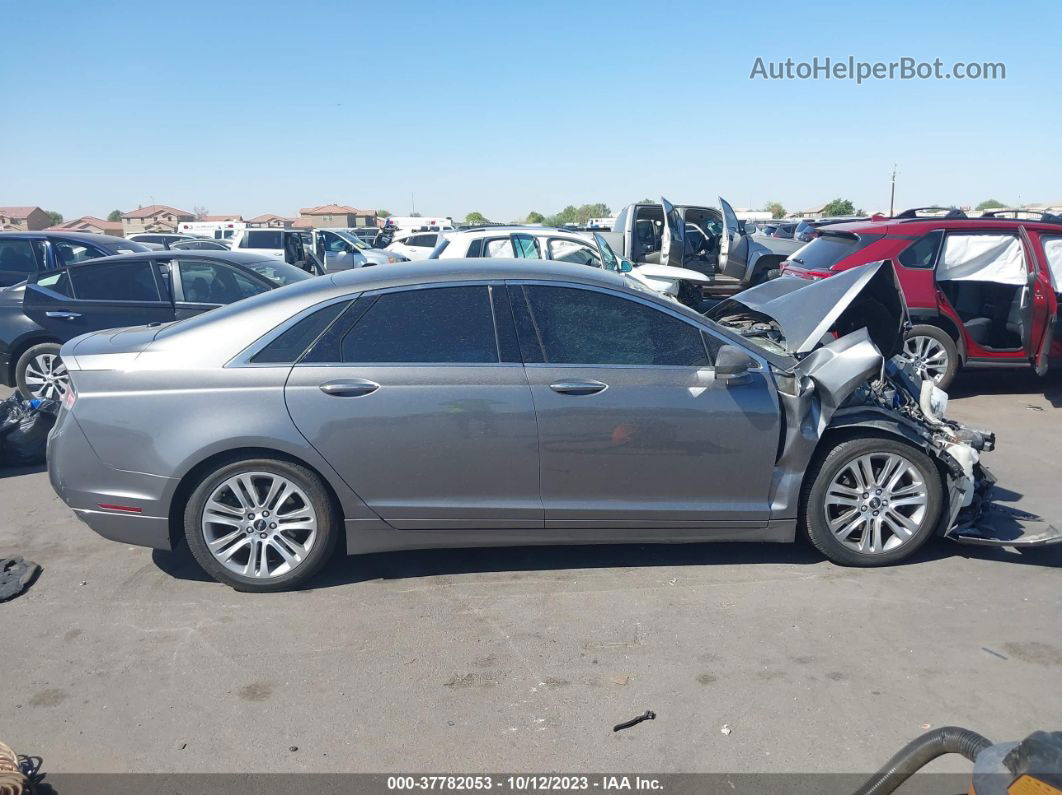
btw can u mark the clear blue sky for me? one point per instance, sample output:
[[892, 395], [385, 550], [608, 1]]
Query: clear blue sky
[[509, 107]]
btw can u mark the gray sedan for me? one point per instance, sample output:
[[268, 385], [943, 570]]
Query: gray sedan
[[504, 402]]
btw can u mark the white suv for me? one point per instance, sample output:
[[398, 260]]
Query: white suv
[[415, 245], [579, 248]]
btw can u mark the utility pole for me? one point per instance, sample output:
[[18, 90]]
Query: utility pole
[[892, 191], [412, 204]]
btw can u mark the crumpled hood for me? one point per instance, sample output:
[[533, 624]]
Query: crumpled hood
[[867, 297]]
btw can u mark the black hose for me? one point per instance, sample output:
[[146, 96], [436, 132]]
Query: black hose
[[920, 752]]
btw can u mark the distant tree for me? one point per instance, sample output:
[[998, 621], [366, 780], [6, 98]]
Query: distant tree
[[414, 215], [839, 207], [648, 201], [578, 215], [476, 218], [200, 213], [57, 218], [988, 204], [535, 218], [775, 209], [114, 216], [383, 213]]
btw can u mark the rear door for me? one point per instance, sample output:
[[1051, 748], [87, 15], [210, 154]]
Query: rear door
[[728, 240], [98, 296], [1047, 287], [423, 410], [673, 240]]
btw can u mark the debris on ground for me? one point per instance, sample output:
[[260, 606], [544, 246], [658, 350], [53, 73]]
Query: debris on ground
[[24, 428], [647, 715], [12, 780], [620, 679], [16, 575], [726, 729]]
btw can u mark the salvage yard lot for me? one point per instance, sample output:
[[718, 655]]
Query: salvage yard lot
[[522, 660]]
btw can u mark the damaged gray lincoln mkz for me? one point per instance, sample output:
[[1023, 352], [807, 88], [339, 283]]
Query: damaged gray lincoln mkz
[[482, 402]]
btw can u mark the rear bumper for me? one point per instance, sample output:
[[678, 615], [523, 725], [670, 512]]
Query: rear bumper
[[86, 484]]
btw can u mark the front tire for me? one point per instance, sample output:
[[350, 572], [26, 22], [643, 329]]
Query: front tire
[[934, 353], [40, 373], [871, 501], [261, 524]]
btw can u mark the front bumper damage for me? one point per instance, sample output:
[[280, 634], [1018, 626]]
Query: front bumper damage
[[989, 524]]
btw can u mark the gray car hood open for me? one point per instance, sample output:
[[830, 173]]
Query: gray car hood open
[[867, 297]]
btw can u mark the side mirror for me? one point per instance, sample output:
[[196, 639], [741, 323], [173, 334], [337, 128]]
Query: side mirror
[[732, 363], [625, 266]]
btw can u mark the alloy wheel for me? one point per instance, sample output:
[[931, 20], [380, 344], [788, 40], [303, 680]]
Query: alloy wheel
[[259, 524], [876, 503], [929, 355], [46, 376]]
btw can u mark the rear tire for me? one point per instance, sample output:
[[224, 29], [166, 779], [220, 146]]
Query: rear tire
[[871, 501], [40, 373], [934, 352], [261, 524]]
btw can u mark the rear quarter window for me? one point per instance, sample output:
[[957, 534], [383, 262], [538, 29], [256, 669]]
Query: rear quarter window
[[828, 249]]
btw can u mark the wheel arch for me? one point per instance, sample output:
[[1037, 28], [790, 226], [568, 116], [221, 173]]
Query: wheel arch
[[762, 263], [190, 479], [945, 324]]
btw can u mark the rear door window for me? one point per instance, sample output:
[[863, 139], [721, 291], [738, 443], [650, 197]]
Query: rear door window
[[262, 238], [499, 247], [1053, 251], [21, 256], [526, 247], [116, 281], [57, 282], [440, 325]]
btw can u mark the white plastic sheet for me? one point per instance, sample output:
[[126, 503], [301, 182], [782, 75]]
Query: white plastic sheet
[[1053, 250], [983, 258]]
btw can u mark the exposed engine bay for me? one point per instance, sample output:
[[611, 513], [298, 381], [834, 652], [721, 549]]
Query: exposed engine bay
[[837, 356]]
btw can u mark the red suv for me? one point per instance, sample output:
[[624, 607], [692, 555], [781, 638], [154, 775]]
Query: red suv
[[982, 292]]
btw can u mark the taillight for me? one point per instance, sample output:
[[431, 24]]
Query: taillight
[[69, 397]]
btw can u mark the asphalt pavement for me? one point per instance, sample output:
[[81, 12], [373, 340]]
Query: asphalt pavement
[[760, 658]]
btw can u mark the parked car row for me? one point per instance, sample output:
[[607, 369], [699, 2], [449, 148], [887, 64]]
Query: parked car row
[[982, 292]]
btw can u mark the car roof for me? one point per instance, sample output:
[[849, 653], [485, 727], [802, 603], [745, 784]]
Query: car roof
[[233, 257], [83, 237], [487, 231], [919, 226], [473, 269]]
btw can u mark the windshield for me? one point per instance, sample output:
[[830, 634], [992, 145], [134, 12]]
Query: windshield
[[280, 273]]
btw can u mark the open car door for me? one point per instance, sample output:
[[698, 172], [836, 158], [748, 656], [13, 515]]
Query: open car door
[[1042, 294], [727, 241], [673, 241]]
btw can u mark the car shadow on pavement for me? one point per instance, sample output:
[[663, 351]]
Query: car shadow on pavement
[[414, 564], [10, 472], [1008, 382]]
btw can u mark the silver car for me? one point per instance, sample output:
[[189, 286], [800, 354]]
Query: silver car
[[457, 403]]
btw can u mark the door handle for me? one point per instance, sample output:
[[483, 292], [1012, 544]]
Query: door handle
[[63, 315], [578, 387], [353, 387]]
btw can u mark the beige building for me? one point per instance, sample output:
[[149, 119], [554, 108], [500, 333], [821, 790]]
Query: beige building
[[269, 221], [335, 216], [89, 223], [153, 218], [23, 219]]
